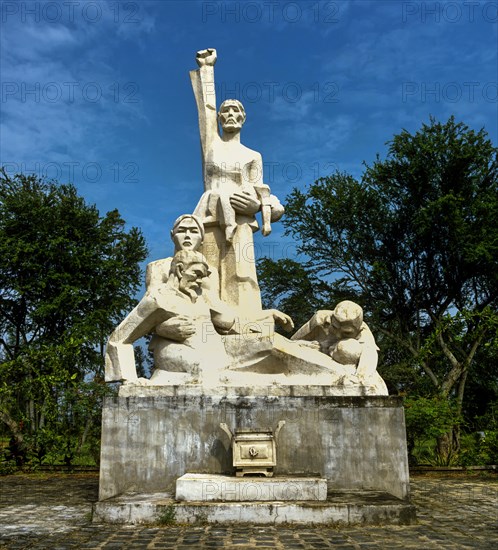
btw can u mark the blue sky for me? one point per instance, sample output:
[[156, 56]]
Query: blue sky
[[98, 93]]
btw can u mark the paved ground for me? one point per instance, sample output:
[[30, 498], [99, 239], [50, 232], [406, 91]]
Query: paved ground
[[53, 512]]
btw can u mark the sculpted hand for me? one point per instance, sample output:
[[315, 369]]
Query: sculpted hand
[[243, 203], [177, 328], [277, 210], [283, 320], [206, 57], [323, 317]]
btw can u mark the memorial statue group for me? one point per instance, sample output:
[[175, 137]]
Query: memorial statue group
[[203, 305]]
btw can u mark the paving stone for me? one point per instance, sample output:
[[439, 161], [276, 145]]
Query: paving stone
[[54, 512]]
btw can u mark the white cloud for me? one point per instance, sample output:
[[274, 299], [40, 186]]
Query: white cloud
[[62, 100]]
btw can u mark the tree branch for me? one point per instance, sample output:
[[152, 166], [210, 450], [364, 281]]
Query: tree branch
[[430, 373]]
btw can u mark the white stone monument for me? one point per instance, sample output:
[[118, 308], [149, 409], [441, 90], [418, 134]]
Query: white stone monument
[[218, 360]]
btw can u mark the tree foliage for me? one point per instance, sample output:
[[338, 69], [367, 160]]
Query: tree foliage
[[416, 243], [298, 292], [67, 276]]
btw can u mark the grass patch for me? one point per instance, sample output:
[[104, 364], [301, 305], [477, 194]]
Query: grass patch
[[167, 516]]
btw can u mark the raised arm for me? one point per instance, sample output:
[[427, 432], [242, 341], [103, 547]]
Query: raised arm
[[205, 96]]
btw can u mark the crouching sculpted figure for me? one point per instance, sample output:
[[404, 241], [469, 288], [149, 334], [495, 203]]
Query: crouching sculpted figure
[[344, 336], [198, 351], [185, 326]]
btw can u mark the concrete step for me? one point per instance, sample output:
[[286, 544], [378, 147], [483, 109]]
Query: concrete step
[[365, 507]]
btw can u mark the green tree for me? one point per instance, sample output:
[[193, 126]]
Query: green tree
[[297, 291], [415, 242], [67, 277]]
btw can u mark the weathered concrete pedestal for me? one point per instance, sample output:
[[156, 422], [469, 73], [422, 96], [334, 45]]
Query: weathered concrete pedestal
[[358, 444]]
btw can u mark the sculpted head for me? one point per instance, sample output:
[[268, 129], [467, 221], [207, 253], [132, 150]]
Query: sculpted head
[[189, 268], [346, 320], [187, 233], [231, 115], [347, 352]]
